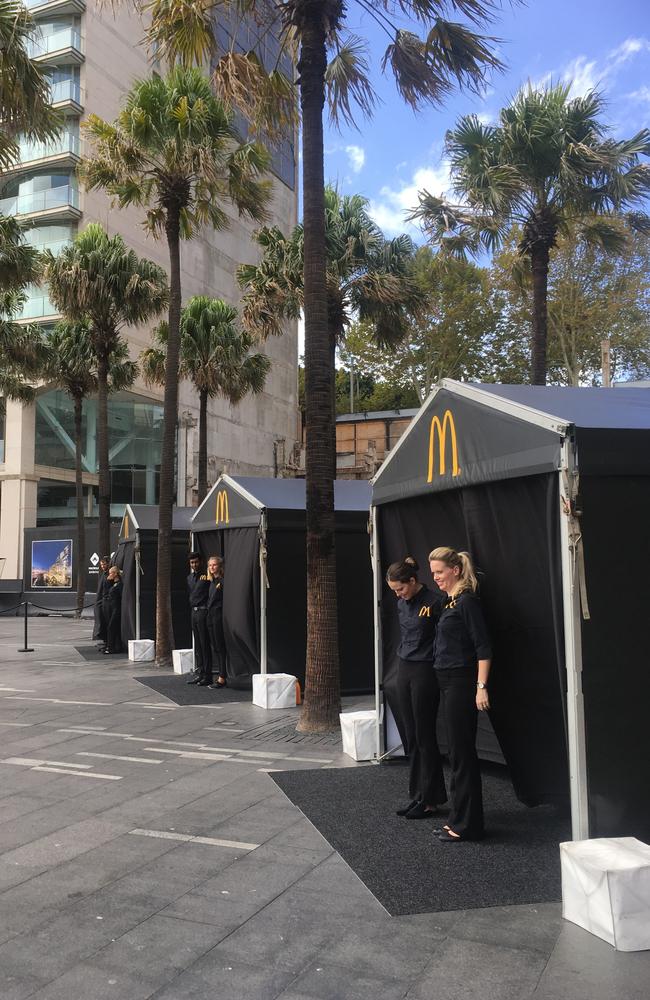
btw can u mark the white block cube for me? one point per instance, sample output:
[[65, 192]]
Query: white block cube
[[274, 690], [359, 731], [142, 649], [606, 889], [183, 660]]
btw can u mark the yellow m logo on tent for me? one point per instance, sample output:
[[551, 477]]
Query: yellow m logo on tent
[[439, 430], [222, 507]]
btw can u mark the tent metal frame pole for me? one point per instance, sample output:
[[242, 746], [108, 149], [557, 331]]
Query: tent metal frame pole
[[263, 646], [137, 584], [573, 660], [376, 593]]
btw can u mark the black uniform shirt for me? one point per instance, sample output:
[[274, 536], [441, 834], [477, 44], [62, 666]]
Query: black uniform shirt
[[417, 623], [462, 637], [198, 586], [114, 595], [215, 596], [103, 586]]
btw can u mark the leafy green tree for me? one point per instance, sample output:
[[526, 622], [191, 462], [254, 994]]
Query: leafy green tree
[[428, 53], [99, 279], [215, 357], [174, 151], [24, 90], [550, 163], [592, 296], [72, 366]]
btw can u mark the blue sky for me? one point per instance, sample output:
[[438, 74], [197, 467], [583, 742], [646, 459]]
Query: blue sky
[[594, 43]]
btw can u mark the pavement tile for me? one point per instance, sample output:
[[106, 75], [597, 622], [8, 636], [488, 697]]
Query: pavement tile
[[384, 948], [470, 970], [536, 926], [225, 979], [327, 981], [583, 967]]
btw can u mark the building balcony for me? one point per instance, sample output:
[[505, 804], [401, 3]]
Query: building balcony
[[63, 46], [38, 307], [64, 151], [66, 95], [55, 203], [54, 7]]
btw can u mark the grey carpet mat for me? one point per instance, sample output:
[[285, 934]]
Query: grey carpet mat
[[176, 688], [411, 871], [92, 653]]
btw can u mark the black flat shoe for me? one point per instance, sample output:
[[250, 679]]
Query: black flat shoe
[[446, 837], [193, 680], [203, 684], [420, 811], [437, 830], [403, 811]]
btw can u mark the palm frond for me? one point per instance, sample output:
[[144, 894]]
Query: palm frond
[[347, 82]]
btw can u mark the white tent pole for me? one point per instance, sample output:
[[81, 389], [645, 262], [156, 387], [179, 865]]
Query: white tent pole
[[376, 593], [573, 657], [137, 584], [263, 586]]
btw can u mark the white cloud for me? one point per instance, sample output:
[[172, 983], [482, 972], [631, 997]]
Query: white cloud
[[586, 74], [356, 157], [393, 204], [642, 95]]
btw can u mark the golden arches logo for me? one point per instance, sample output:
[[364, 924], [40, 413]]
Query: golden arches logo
[[222, 507], [439, 429]]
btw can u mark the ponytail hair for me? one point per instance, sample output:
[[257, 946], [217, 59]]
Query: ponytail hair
[[467, 576], [402, 572]]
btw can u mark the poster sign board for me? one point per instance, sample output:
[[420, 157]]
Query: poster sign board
[[51, 567]]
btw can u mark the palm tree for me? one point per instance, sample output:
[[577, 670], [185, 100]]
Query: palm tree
[[22, 351], [24, 89], [215, 357], [174, 151], [428, 55], [549, 164], [72, 366], [98, 277]]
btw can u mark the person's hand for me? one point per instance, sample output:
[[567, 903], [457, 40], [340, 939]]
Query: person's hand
[[482, 700]]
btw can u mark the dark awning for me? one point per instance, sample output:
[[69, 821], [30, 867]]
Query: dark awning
[[144, 517], [469, 434]]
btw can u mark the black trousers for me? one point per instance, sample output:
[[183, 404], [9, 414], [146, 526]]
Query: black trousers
[[101, 621], [458, 694], [201, 644], [114, 631], [217, 641], [419, 698]]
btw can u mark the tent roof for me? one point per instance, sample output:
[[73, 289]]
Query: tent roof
[[144, 517], [468, 434], [248, 496], [583, 407]]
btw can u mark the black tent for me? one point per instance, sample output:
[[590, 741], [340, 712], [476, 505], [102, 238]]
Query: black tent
[[549, 489], [137, 557], [258, 525]]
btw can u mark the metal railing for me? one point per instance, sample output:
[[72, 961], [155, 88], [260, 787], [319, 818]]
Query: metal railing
[[66, 90], [45, 45], [67, 142], [41, 201]]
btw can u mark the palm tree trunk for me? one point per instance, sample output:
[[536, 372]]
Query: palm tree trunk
[[81, 521], [203, 445], [539, 259], [322, 685], [164, 632], [104, 500]]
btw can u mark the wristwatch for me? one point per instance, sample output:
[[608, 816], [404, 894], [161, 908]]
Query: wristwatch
[[482, 686]]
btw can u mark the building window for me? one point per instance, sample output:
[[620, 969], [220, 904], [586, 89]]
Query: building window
[[134, 442], [2, 430]]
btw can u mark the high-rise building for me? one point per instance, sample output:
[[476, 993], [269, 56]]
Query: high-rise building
[[92, 56]]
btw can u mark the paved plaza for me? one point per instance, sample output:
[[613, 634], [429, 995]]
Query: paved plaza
[[145, 851]]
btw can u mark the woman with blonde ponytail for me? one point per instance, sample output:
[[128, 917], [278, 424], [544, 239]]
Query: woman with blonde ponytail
[[462, 658]]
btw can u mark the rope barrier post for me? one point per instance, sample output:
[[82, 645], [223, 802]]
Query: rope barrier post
[[26, 648]]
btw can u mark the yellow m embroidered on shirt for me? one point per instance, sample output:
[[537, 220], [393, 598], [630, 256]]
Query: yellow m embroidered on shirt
[[425, 612]]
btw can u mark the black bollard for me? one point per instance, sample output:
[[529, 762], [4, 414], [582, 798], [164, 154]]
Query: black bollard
[[26, 648]]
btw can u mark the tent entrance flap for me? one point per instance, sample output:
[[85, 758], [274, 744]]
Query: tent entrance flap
[[511, 528]]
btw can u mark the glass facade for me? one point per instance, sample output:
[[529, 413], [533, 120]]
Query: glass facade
[[134, 443], [39, 192], [2, 430], [262, 35]]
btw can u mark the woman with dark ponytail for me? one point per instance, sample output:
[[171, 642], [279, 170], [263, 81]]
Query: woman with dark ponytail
[[462, 664], [418, 609]]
